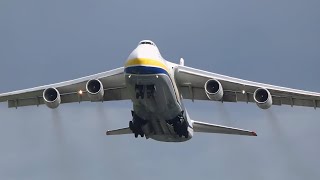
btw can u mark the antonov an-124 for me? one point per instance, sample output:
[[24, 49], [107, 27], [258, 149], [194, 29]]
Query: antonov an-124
[[157, 88]]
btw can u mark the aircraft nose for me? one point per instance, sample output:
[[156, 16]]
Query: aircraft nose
[[136, 53], [145, 58], [135, 58], [142, 55]]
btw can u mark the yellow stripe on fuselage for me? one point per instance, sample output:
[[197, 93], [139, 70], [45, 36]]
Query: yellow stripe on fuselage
[[146, 62]]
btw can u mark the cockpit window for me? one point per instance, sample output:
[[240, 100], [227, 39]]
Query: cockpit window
[[147, 42]]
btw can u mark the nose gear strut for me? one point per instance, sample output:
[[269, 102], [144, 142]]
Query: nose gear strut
[[139, 91], [142, 89]]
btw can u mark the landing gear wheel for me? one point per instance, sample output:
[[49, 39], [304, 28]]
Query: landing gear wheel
[[131, 125], [136, 125], [141, 95], [186, 135], [175, 128], [180, 128], [139, 91], [150, 91]]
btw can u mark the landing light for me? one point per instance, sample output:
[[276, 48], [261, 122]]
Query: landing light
[[80, 92], [243, 91]]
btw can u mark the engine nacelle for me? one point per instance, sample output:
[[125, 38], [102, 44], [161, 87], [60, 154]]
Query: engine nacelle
[[95, 90], [213, 89], [263, 98], [51, 97]]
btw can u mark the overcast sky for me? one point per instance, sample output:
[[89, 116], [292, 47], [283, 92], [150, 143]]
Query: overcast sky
[[271, 41]]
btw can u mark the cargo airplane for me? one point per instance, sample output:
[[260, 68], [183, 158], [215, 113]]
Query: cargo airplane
[[157, 89]]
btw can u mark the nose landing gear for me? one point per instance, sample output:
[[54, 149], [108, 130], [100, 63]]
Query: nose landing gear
[[141, 89], [151, 89]]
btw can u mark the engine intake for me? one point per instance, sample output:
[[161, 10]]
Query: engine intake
[[95, 90], [214, 89], [51, 97], [263, 98]]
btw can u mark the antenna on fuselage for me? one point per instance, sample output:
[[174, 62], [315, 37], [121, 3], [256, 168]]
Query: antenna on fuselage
[[181, 62]]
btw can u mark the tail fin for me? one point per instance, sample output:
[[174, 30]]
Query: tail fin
[[213, 128]]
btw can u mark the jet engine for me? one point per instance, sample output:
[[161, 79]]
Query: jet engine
[[213, 89], [95, 90], [51, 97], [263, 98]]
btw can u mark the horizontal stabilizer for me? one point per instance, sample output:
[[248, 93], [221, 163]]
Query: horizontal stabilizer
[[119, 131], [213, 128]]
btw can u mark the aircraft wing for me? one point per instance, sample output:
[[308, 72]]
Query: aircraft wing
[[113, 82], [191, 83]]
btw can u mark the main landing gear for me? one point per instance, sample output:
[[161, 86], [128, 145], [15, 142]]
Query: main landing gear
[[141, 89], [180, 125], [136, 125]]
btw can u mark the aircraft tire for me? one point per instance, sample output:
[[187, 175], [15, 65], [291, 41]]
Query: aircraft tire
[[131, 125], [186, 135]]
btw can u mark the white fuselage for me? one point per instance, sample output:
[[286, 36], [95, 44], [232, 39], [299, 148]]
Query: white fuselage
[[145, 66]]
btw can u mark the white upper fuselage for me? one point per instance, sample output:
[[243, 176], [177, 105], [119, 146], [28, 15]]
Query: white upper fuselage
[[145, 66]]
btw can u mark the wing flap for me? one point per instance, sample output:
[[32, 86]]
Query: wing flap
[[213, 128], [25, 102]]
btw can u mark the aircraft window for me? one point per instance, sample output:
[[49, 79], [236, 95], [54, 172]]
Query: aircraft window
[[147, 43]]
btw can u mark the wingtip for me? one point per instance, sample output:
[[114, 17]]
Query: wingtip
[[254, 133]]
